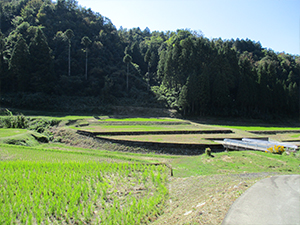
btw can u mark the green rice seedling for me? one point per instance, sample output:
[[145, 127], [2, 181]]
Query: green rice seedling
[[70, 192]]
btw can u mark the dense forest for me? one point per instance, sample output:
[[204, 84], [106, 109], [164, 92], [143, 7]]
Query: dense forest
[[53, 51]]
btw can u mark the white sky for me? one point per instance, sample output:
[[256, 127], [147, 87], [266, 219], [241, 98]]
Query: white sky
[[275, 23]]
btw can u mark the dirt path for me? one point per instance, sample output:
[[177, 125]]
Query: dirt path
[[205, 199]]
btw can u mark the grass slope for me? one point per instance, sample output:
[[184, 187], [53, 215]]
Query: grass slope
[[64, 153], [19, 137], [236, 162], [4, 133]]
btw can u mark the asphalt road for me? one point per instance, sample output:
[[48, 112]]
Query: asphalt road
[[274, 200]]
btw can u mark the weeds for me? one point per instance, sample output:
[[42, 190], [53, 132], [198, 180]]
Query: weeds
[[208, 152], [11, 121], [40, 125]]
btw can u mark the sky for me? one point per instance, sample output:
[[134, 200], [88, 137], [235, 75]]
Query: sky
[[274, 23]]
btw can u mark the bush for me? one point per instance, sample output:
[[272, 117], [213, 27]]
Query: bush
[[40, 125], [208, 152], [11, 121]]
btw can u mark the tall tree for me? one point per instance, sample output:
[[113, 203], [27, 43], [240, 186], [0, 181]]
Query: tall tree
[[294, 100], [19, 66], [147, 59], [246, 92], [1, 56], [127, 59], [86, 42], [41, 63], [182, 99], [220, 93], [204, 92], [1, 50], [30, 11], [264, 93], [69, 34]]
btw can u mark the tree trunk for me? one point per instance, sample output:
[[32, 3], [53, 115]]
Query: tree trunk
[[86, 64], [69, 71], [127, 74], [148, 78]]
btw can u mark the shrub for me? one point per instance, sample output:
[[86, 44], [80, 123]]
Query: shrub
[[208, 152], [11, 121], [41, 125]]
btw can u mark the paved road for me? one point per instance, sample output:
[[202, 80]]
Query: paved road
[[274, 200]]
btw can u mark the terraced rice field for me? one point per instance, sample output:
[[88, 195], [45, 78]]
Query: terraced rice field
[[139, 127], [168, 131]]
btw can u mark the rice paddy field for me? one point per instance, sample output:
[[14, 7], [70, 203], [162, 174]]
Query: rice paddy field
[[159, 130], [40, 186], [77, 179]]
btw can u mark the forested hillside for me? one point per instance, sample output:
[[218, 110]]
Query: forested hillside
[[51, 50]]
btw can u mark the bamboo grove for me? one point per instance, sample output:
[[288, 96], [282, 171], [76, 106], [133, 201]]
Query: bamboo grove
[[50, 50]]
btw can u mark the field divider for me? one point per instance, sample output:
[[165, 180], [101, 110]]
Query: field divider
[[168, 147], [113, 123], [127, 133], [274, 132]]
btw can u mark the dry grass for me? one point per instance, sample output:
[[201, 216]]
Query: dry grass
[[131, 128], [182, 138], [205, 199], [174, 138], [286, 137]]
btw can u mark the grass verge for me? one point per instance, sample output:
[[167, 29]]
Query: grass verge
[[258, 128], [235, 162], [4, 133]]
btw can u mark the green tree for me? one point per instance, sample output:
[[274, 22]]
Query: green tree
[[264, 93], [44, 13], [147, 58], [204, 92], [183, 99], [2, 44], [69, 34], [30, 11], [151, 59], [41, 63], [220, 93], [294, 95], [85, 41], [192, 94], [246, 91], [19, 66], [127, 59]]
